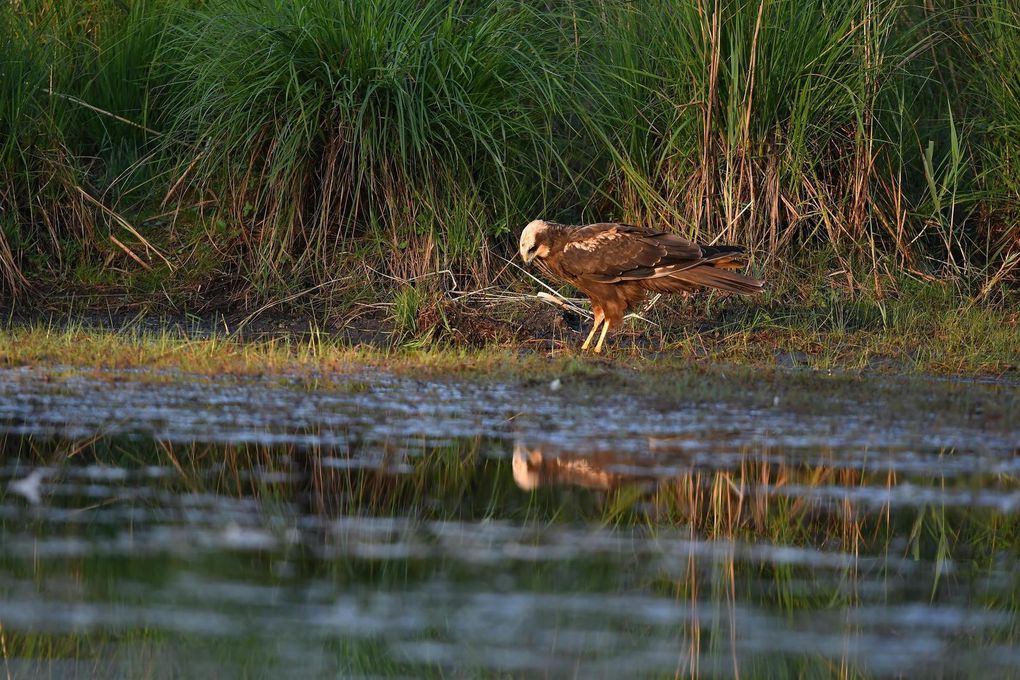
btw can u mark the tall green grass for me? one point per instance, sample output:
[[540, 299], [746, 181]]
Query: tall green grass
[[39, 212], [422, 127], [77, 84], [271, 145], [759, 121], [995, 87]]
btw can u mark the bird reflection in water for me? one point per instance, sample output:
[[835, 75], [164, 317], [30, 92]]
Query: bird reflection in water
[[542, 465]]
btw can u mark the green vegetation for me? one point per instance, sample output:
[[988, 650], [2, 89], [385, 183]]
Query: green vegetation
[[189, 153]]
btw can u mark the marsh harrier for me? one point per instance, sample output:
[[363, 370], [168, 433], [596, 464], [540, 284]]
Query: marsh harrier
[[616, 265]]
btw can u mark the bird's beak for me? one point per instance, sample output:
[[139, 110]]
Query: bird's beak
[[528, 260]]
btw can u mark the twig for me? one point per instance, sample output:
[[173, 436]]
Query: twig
[[651, 303], [429, 275], [184, 175], [562, 303], [124, 223], [461, 294], [634, 315], [130, 253], [90, 107], [120, 119], [648, 307], [531, 276], [1009, 263], [289, 298]]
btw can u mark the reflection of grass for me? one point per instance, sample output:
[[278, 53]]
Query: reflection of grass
[[148, 654], [724, 510], [757, 500]]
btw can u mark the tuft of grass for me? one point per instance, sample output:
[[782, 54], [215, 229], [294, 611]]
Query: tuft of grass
[[41, 216], [994, 94], [421, 126], [407, 307]]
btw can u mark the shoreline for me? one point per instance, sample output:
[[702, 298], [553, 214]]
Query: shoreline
[[549, 346]]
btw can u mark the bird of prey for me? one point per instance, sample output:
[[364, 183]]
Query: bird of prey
[[616, 265]]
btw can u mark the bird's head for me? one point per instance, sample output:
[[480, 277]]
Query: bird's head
[[534, 240], [526, 467]]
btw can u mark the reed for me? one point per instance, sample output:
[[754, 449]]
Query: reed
[[256, 149]]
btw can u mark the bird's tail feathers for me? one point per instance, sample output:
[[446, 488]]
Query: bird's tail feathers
[[721, 278]]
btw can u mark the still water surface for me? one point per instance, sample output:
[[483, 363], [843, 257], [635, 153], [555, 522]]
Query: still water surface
[[372, 525]]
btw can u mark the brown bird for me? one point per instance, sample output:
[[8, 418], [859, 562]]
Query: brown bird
[[616, 265]]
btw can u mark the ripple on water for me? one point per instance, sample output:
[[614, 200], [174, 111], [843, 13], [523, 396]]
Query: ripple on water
[[415, 523]]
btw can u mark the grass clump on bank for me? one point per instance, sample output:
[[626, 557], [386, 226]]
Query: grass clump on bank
[[230, 153], [418, 130]]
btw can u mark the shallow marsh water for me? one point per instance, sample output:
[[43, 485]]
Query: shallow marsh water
[[365, 524]]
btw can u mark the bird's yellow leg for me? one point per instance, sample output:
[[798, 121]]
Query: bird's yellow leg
[[602, 338], [591, 335], [599, 318]]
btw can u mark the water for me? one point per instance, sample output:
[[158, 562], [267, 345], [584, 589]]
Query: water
[[370, 525]]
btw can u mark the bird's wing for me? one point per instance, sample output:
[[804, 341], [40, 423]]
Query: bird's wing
[[611, 252]]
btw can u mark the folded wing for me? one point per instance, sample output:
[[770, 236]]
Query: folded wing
[[662, 261]]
